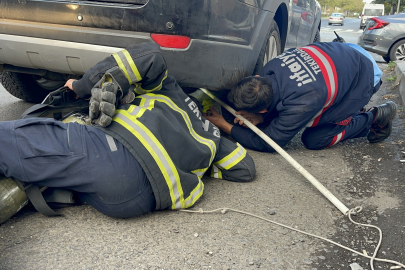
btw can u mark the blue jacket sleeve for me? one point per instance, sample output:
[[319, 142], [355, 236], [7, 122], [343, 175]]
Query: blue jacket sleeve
[[295, 112]]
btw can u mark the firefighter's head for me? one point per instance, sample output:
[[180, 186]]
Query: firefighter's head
[[252, 94]]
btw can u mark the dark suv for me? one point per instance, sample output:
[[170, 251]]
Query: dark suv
[[206, 43]]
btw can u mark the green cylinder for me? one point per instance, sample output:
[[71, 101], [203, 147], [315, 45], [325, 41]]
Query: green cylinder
[[12, 198]]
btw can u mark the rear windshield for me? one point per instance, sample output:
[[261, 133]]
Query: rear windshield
[[373, 12], [337, 15]]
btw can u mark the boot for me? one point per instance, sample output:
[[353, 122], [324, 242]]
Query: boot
[[382, 125]]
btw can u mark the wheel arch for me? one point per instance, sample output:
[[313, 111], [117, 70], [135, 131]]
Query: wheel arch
[[396, 41], [281, 18]]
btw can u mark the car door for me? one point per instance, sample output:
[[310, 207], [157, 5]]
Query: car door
[[294, 22], [306, 23]]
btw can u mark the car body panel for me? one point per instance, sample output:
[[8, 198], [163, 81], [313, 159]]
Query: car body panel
[[336, 18], [226, 35], [380, 40]]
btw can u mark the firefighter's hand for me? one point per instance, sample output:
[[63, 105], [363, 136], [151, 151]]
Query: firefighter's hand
[[69, 83], [218, 120], [102, 104], [254, 118]]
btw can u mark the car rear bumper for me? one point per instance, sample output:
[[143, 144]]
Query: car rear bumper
[[336, 21], [200, 65], [373, 43]]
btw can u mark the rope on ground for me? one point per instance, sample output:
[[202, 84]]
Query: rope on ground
[[353, 211]]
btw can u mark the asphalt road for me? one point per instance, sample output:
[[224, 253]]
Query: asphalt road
[[357, 172]]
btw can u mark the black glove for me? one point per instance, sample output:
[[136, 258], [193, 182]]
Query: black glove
[[102, 104]]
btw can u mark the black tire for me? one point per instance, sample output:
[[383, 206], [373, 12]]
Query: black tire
[[397, 52], [267, 51], [329, 23], [386, 58], [26, 87], [317, 37]]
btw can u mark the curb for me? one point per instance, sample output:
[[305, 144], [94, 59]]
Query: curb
[[400, 71]]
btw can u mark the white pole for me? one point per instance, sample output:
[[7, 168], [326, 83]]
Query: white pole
[[284, 154]]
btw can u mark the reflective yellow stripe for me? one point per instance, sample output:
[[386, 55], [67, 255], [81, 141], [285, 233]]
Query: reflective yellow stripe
[[122, 67], [132, 65], [200, 172], [216, 172], [139, 90], [195, 194], [209, 143], [145, 104], [159, 154], [232, 159]]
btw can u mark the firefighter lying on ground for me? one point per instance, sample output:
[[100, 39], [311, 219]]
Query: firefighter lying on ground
[[321, 87], [151, 153]]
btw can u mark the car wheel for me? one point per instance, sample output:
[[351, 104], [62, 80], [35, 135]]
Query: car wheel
[[317, 37], [329, 23], [342, 24], [270, 49], [386, 58], [27, 87], [397, 52]]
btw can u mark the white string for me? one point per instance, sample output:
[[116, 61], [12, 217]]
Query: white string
[[353, 211]]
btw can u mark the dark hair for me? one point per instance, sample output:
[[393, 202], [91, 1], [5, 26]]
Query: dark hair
[[252, 94]]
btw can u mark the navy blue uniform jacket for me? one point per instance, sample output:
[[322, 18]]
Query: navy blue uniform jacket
[[313, 85]]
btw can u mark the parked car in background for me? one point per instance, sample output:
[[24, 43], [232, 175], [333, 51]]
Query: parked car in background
[[206, 43], [370, 11], [385, 36], [336, 18]]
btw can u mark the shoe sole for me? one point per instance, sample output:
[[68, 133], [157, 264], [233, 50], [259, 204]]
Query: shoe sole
[[389, 133]]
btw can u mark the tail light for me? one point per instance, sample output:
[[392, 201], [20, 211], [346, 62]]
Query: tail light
[[378, 24], [340, 19], [330, 18], [171, 41]]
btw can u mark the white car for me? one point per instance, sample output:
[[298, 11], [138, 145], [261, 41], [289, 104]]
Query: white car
[[370, 11], [337, 18]]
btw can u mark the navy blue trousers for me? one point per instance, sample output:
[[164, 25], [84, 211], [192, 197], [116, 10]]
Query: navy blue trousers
[[323, 136], [81, 158]]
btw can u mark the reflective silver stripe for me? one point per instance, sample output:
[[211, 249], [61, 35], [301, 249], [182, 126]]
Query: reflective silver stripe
[[127, 66], [199, 174], [160, 155], [111, 143], [338, 138], [196, 193], [331, 80], [310, 123], [329, 70], [187, 119], [232, 159], [215, 171], [136, 110]]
